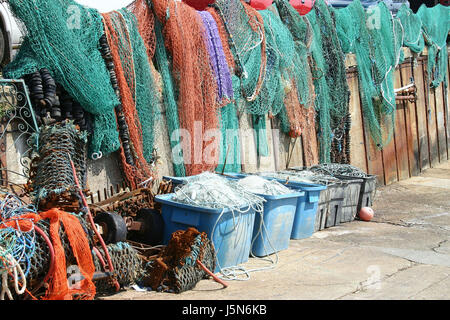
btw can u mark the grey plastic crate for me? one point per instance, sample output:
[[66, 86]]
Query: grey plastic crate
[[368, 191], [331, 202], [352, 192]]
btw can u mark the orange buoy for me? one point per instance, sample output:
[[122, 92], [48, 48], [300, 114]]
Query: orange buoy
[[366, 214], [261, 4]]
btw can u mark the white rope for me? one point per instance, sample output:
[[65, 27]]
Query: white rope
[[14, 268]]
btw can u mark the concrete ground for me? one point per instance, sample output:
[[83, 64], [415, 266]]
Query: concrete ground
[[404, 253]]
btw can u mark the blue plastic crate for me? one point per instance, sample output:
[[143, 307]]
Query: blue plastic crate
[[232, 233], [278, 216], [307, 205]]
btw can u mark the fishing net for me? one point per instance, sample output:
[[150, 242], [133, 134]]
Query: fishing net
[[335, 169], [128, 267], [170, 103], [146, 25], [329, 73], [245, 28], [217, 58], [137, 90], [196, 86], [303, 176], [209, 190], [62, 36], [260, 185], [176, 269], [412, 29], [376, 39], [435, 26], [51, 178], [230, 147]]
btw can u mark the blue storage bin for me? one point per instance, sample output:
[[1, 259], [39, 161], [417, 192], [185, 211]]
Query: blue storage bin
[[278, 216], [232, 236], [307, 207]]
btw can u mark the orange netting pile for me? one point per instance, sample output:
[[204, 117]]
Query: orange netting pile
[[58, 285], [184, 35]]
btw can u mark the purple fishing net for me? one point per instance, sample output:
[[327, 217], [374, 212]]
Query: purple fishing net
[[217, 56]]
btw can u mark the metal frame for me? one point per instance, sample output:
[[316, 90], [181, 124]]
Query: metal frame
[[18, 118]]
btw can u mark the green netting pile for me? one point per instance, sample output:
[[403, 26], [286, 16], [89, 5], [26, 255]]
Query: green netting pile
[[436, 25], [332, 92], [376, 39], [63, 36]]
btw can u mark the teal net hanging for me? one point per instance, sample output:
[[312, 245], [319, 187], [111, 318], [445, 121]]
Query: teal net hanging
[[329, 73], [63, 36], [169, 100], [140, 77], [436, 25], [376, 39]]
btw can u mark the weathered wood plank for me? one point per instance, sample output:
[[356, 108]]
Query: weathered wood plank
[[357, 144], [401, 142], [411, 123], [421, 112], [441, 124], [431, 119]]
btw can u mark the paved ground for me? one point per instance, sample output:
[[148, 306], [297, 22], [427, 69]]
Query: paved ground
[[403, 254]]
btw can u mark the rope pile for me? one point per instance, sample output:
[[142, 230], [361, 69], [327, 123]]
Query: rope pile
[[335, 169]]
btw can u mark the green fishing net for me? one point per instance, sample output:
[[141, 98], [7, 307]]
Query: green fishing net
[[376, 39], [412, 29], [170, 102], [230, 146], [329, 73], [436, 25], [63, 36], [139, 77]]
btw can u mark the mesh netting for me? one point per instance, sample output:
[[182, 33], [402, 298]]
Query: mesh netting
[[247, 43], [196, 87], [412, 29], [436, 25], [376, 39], [62, 37], [128, 268], [137, 90], [52, 174], [332, 92], [176, 269]]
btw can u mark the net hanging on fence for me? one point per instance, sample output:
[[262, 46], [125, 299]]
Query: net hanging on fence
[[332, 92], [245, 29], [412, 29], [435, 26], [137, 90], [376, 40], [230, 147], [62, 36], [169, 100], [146, 24], [196, 87]]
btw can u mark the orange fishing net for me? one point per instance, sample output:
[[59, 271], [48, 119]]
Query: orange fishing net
[[146, 22], [223, 38], [184, 35], [58, 284], [303, 122], [122, 53]]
